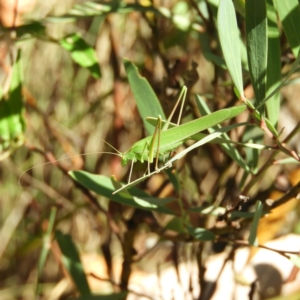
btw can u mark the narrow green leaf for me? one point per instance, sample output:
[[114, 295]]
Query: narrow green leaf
[[12, 122], [273, 65], [92, 9], [230, 42], [82, 53], [103, 185], [72, 263], [146, 100], [228, 148], [289, 15], [201, 234], [207, 139], [209, 210], [253, 230], [256, 35], [252, 135], [283, 82], [173, 177], [34, 28], [176, 224], [289, 160], [239, 6], [45, 247]]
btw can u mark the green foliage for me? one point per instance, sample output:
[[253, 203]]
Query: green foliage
[[210, 173], [229, 39], [253, 230], [146, 100], [289, 14], [71, 261], [82, 53], [12, 123], [136, 198], [273, 65], [257, 45]]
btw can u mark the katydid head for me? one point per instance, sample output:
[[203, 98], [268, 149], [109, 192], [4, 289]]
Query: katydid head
[[127, 156]]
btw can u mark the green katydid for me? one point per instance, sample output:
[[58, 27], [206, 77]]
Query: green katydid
[[172, 138], [169, 139]]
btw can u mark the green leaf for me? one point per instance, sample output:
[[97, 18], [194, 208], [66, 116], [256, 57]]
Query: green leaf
[[256, 35], [273, 65], [230, 42], [201, 234], [33, 28], [178, 16], [253, 230], [209, 210], [146, 100], [289, 15], [103, 185], [12, 122], [240, 6], [173, 177], [82, 53], [252, 135], [45, 247], [294, 67], [228, 148], [207, 139], [71, 261], [176, 224], [289, 160]]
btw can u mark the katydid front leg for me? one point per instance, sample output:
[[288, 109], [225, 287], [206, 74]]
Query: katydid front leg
[[152, 144]]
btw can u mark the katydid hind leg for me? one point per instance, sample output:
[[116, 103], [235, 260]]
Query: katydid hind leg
[[157, 130], [181, 98], [130, 172], [158, 143], [183, 95]]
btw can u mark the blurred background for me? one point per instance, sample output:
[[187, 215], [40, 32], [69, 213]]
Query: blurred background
[[68, 111]]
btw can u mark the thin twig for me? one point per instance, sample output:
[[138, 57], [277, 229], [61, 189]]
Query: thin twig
[[245, 243]]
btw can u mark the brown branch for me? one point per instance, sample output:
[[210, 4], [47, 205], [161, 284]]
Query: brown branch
[[117, 285]]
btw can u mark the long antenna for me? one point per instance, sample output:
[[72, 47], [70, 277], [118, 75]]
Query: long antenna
[[64, 158], [112, 147]]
